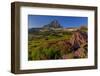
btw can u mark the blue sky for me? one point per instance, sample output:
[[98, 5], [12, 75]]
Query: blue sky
[[37, 21]]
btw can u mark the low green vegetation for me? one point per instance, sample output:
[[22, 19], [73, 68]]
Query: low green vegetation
[[51, 45]]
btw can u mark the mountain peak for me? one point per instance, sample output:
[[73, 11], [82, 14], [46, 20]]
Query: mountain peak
[[53, 24]]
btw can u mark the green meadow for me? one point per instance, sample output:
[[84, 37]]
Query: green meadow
[[51, 44]]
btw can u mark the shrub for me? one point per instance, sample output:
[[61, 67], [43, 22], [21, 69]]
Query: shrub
[[51, 53]]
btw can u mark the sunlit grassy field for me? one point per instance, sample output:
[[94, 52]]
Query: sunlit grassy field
[[47, 45]]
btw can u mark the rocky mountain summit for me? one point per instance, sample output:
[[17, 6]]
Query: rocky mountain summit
[[53, 24]]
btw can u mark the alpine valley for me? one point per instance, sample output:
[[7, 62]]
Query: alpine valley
[[53, 41]]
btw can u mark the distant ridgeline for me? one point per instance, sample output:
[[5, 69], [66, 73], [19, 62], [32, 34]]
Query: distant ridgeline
[[54, 25]]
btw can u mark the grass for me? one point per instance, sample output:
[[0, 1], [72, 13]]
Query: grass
[[49, 45]]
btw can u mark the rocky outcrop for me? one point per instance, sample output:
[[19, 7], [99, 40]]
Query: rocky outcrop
[[79, 39], [80, 53], [79, 44]]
